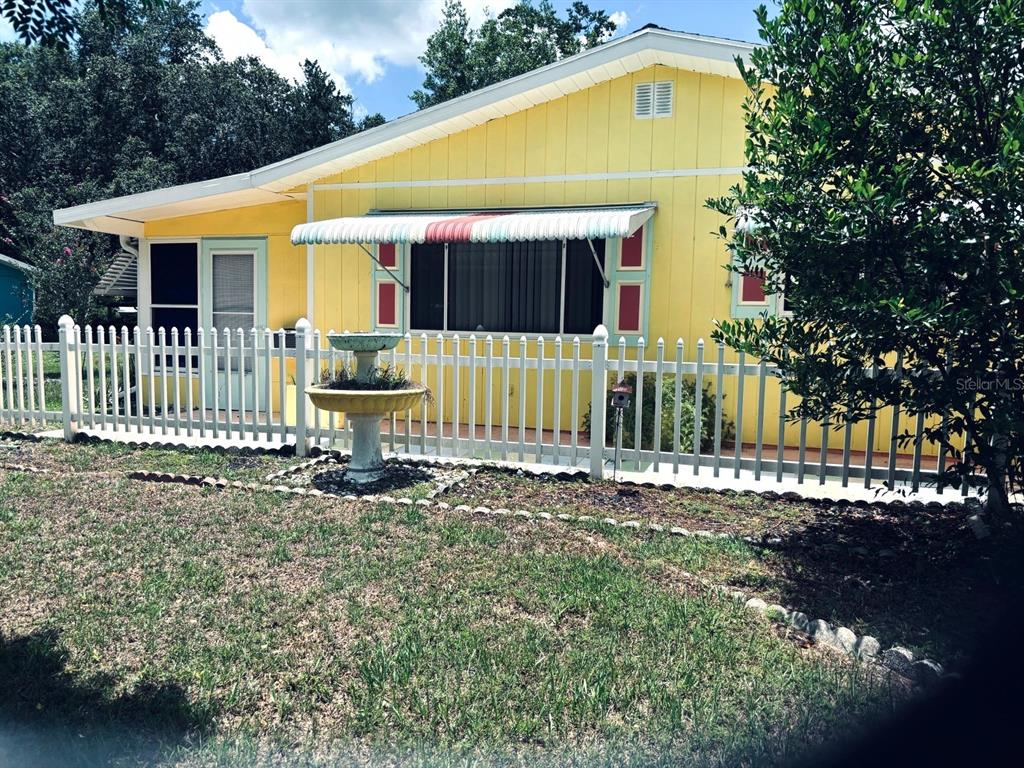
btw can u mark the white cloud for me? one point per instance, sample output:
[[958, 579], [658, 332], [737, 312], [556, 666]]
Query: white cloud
[[358, 38], [237, 39], [621, 19]]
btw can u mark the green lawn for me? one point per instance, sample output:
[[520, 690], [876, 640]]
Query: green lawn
[[189, 626]]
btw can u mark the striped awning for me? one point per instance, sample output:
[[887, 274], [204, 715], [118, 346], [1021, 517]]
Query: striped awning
[[477, 227]]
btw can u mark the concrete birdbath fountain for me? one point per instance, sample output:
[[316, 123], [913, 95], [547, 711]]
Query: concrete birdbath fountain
[[365, 398]]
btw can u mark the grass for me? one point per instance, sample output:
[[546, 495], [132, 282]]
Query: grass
[[117, 457], [228, 627], [916, 577]]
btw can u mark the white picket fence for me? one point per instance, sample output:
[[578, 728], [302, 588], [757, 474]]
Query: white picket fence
[[509, 399]]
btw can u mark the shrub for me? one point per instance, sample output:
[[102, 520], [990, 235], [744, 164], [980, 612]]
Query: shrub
[[668, 401]]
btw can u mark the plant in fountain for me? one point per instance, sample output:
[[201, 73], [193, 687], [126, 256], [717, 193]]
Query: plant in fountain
[[381, 378], [366, 395]]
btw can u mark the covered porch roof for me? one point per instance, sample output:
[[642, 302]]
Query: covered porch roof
[[478, 226]]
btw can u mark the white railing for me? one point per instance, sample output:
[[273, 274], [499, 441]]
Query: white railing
[[508, 398], [25, 398]]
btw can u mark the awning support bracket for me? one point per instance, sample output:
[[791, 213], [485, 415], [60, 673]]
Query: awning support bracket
[[369, 253], [597, 261]]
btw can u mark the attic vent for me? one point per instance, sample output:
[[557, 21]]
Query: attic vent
[[653, 99]]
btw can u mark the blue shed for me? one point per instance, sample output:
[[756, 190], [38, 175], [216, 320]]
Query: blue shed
[[17, 297]]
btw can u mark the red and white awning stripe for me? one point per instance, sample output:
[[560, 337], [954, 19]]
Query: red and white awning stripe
[[480, 227]]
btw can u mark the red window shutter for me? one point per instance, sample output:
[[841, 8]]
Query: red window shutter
[[633, 251], [752, 288], [629, 308], [387, 309], [387, 256]]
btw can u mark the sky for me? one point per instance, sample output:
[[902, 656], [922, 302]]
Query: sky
[[371, 47]]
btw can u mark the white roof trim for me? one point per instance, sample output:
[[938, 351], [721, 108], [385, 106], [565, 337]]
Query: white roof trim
[[126, 215], [19, 265]]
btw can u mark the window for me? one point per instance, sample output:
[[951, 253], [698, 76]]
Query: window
[[546, 286], [652, 100], [234, 291], [174, 286]]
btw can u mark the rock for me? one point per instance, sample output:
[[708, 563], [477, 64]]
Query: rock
[[867, 647], [610, 521], [519, 513], [631, 524], [387, 499], [423, 502], [799, 620], [704, 534], [655, 527], [676, 531], [756, 604], [585, 519], [482, 511], [565, 518], [925, 672], [897, 658], [544, 515], [846, 639], [859, 550], [777, 612], [443, 505], [737, 595], [821, 631], [978, 527], [463, 508], [404, 500]]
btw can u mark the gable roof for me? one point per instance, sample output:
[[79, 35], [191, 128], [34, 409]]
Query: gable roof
[[283, 180]]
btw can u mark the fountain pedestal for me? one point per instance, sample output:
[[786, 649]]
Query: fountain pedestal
[[365, 407]]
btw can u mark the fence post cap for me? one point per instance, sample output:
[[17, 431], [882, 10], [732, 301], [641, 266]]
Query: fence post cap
[[601, 333], [302, 323], [65, 321]]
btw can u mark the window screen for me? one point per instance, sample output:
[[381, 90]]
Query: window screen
[[233, 291], [584, 289], [426, 287]]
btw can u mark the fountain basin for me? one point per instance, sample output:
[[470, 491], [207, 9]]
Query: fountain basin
[[365, 401], [364, 341]]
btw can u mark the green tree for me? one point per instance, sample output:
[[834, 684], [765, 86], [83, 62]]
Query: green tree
[[459, 59], [55, 22], [129, 107], [886, 187]]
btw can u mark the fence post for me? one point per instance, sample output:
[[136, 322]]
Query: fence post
[[70, 400], [303, 377], [598, 401]]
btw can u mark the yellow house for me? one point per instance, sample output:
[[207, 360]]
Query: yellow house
[[541, 206]]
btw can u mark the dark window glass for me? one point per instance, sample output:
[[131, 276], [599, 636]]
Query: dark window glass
[[504, 287], [507, 287], [426, 287], [174, 317], [174, 275], [584, 289]]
